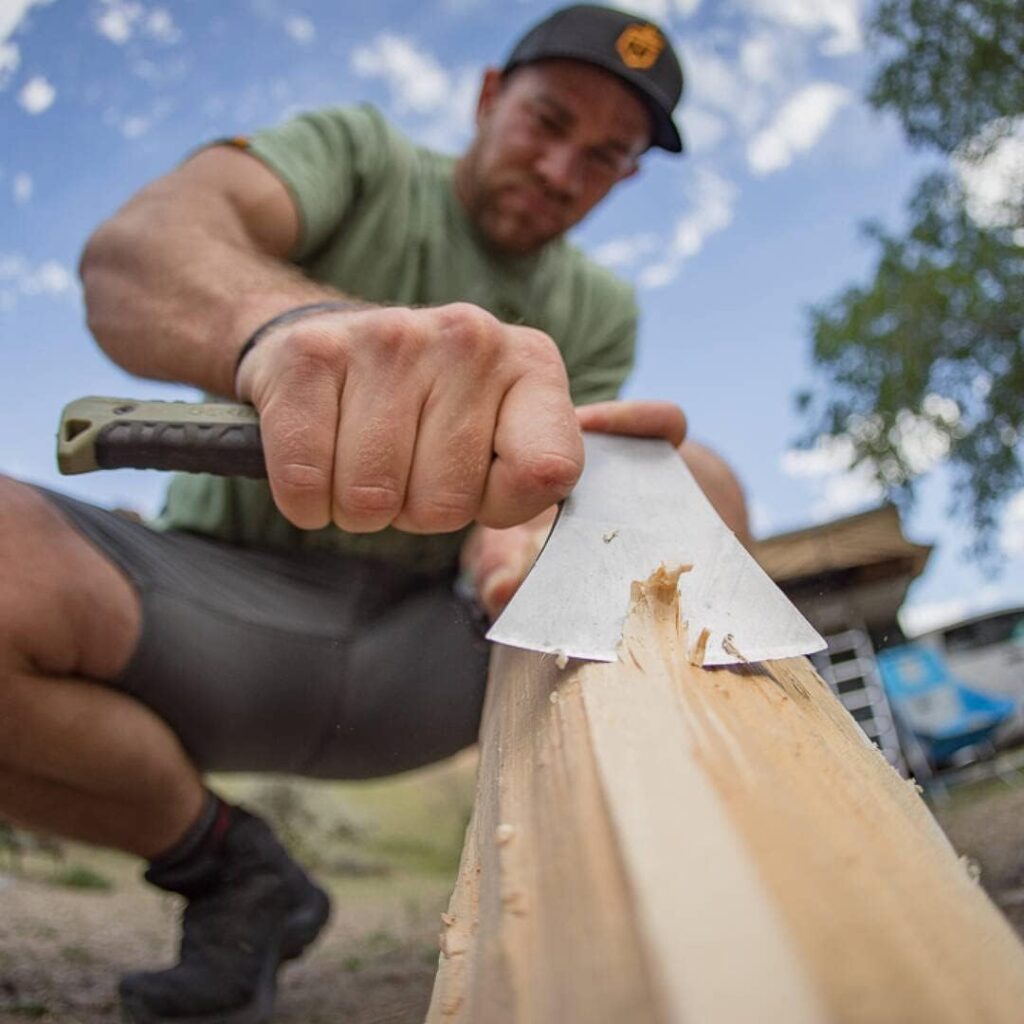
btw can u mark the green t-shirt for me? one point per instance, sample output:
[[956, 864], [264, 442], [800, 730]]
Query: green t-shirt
[[380, 221]]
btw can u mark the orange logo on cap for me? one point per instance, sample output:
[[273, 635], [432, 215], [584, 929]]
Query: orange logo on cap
[[640, 46]]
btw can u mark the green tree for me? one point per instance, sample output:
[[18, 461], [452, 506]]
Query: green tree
[[927, 358], [956, 67]]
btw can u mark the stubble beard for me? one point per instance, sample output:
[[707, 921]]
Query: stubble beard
[[487, 200]]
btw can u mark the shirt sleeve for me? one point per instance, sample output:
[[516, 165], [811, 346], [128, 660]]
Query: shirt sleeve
[[324, 158]]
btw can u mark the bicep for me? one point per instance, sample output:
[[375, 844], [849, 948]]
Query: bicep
[[245, 187]]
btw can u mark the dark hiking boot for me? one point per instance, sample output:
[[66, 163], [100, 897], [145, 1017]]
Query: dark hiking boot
[[250, 908]]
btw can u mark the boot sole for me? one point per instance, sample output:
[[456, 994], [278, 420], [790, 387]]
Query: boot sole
[[302, 926], [259, 1009]]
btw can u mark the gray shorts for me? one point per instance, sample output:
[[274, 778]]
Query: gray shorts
[[312, 663]]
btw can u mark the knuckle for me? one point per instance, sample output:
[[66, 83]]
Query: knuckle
[[546, 473], [440, 513], [539, 349], [368, 501], [396, 333], [469, 330], [314, 350], [302, 478]]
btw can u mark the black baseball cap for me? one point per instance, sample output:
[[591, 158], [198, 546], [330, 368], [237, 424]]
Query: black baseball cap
[[628, 45]]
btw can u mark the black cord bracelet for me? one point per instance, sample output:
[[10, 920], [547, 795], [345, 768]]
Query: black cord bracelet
[[296, 313]]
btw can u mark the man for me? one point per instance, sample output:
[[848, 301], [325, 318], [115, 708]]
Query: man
[[415, 333]]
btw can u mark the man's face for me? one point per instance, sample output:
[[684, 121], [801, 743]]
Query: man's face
[[552, 139]]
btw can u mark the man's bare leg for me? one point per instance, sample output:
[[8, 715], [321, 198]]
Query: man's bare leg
[[83, 760], [77, 758]]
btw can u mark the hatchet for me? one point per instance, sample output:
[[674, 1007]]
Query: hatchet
[[635, 508]]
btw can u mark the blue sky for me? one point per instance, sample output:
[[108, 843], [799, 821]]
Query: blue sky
[[727, 246]]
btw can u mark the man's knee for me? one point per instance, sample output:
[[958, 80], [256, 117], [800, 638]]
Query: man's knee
[[64, 608], [722, 487]]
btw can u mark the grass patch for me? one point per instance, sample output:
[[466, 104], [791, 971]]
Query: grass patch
[[78, 876], [28, 1009]]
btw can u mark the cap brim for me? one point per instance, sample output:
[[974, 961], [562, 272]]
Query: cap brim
[[666, 134]]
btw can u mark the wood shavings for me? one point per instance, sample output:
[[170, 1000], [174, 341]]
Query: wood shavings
[[504, 833], [515, 902], [700, 648], [664, 581], [553, 696], [610, 535], [971, 867], [729, 646], [562, 660]]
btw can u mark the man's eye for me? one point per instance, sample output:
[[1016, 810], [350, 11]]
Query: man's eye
[[604, 160], [548, 124]]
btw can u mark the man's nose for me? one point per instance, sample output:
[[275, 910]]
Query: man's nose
[[558, 166]]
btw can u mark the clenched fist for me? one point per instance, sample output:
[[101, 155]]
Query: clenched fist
[[424, 419]]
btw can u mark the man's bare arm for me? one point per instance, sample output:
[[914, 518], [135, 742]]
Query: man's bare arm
[[422, 418], [188, 268]]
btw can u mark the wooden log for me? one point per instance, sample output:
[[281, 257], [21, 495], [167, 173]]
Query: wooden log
[[654, 842]]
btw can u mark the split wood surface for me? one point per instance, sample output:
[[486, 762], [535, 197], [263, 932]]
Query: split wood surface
[[657, 843]]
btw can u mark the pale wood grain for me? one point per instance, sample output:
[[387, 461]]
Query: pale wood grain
[[657, 842]]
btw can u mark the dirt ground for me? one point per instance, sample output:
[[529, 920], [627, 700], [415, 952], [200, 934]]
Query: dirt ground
[[62, 949], [64, 943]]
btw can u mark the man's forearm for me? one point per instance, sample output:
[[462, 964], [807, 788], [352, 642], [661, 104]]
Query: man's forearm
[[174, 285]]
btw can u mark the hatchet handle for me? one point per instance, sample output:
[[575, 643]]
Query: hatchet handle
[[192, 437]]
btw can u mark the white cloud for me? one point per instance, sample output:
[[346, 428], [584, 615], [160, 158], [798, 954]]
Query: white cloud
[[657, 275], [37, 95], [21, 279], [119, 20], [1011, 535], [136, 126], [847, 492], [656, 10], [837, 488], [624, 252], [702, 130], [300, 29], [661, 10], [12, 12], [160, 26], [994, 183], [419, 84], [116, 20], [916, 619], [922, 617], [829, 455], [10, 58], [840, 19], [21, 187], [799, 124], [920, 439], [764, 57], [716, 83], [416, 79], [712, 199]]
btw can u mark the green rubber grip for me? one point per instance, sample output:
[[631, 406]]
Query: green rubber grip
[[190, 437]]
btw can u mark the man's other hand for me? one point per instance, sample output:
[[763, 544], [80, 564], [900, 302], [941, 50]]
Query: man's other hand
[[635, 419], [497, 561], [424, 419]]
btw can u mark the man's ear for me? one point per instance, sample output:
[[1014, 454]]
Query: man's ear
[[490, 88]]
